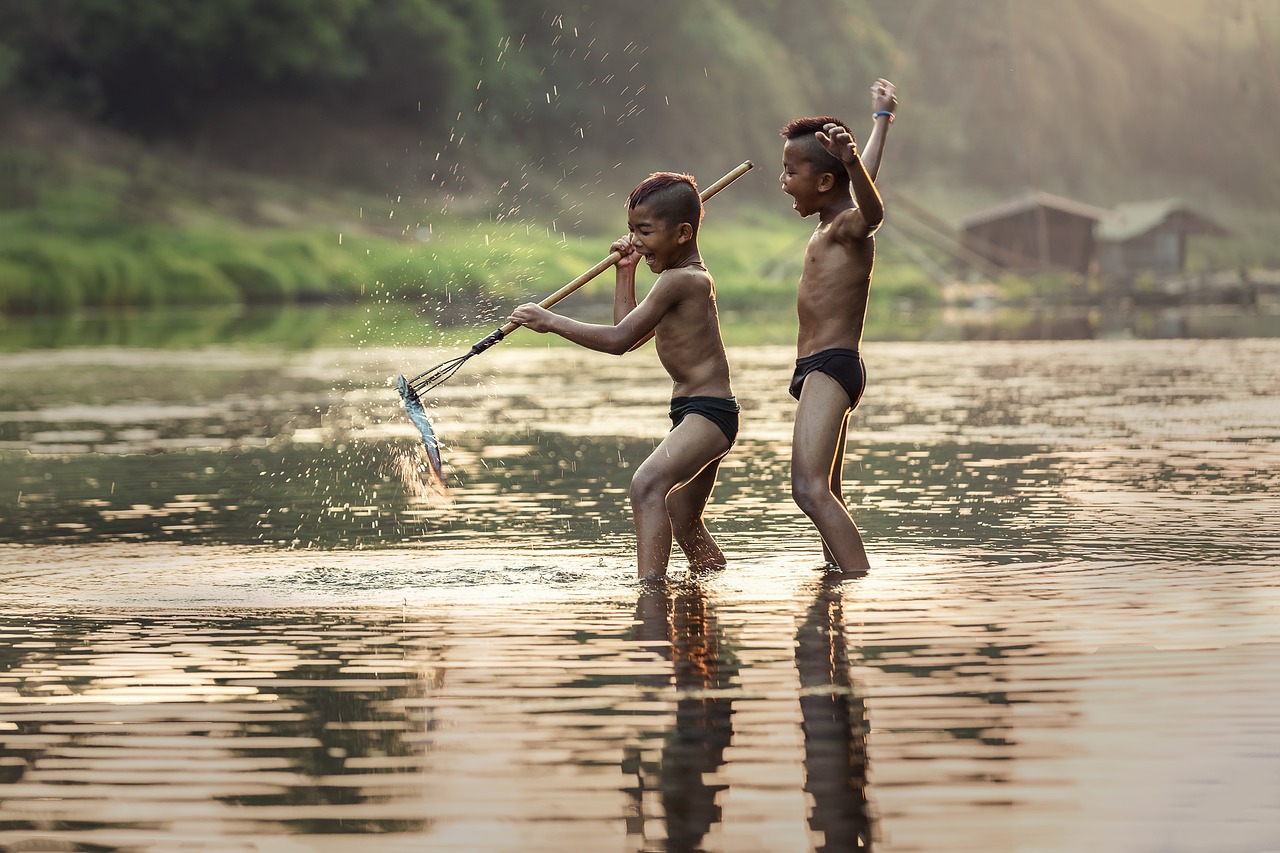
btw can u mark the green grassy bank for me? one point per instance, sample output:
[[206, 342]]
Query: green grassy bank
[[114, 227], [78, 234]]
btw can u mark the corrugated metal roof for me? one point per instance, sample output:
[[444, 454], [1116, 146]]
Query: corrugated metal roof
[[1030, 201]]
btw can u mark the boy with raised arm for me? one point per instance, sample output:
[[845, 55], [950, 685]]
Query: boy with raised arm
[[671, 488], [821, 167]]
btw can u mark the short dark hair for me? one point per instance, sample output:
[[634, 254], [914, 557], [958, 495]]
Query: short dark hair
[[674, 198], [804, 130]]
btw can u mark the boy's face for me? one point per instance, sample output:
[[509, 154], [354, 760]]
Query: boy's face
[[799, 178], [660, 242]]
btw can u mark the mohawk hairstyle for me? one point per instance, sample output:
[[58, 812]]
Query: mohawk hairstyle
[[674, 198], [803, 130]]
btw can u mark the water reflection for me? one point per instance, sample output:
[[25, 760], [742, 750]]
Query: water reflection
[[154, 726], [383, 324], [226, 616], [1027, 451], [834, 711], [676, 622]]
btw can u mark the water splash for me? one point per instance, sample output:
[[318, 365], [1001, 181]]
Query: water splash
[[420, 478]]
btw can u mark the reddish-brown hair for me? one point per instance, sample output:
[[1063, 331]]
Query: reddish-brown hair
[[673, 196], [803, 131]]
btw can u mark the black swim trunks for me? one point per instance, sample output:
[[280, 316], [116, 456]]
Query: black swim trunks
[[843, 365], [720, 411]]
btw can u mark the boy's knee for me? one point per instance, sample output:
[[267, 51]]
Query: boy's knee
[[647, 490], [809, 494]]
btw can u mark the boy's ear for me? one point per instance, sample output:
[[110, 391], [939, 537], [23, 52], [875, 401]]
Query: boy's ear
[[684, 233], [826, 181]]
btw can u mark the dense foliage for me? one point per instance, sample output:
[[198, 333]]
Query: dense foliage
[[509, 109], [163, 67], [1000, 93]]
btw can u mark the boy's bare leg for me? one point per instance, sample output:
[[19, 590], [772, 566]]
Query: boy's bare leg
[[682, 455], [816, 441], [685, 506], [837, 477]]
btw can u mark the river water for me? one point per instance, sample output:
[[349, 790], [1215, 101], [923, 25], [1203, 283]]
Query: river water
[[234, 617]]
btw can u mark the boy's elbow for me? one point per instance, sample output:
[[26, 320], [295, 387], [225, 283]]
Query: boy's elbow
[[874, 217], [618, 346], [621, 344]]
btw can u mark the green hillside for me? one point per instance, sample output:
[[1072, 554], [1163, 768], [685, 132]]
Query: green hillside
[[285, 150]]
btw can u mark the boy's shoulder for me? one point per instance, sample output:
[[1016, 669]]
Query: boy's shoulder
[[685, 278], [846, 227]]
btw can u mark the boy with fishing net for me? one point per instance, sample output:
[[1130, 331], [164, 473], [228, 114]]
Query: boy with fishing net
[[670, 489], [824, 173]]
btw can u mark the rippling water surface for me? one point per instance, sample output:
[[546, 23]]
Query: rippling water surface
[[233, 616]]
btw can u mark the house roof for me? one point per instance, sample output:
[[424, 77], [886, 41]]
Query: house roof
[[1030, 201], [1128, 221]]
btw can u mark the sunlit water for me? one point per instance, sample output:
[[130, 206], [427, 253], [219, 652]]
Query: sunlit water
[[233, 619]]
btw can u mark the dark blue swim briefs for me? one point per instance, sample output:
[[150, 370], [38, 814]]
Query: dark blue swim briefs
[[720, 411], [843, 365]]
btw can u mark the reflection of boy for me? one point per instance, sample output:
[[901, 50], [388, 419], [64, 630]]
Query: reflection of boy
[[671, 488], [834, 721], [680, 624], [820, 166]]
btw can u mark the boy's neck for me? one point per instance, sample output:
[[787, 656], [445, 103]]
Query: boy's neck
[[834, 207], [691, 258]]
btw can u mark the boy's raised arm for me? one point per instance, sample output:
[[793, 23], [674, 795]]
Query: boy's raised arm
[[869, 207], [884, 104]]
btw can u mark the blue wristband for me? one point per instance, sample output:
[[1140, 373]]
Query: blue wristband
[[879, 113]]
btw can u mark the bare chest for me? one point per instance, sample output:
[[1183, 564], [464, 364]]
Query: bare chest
[[835, 270]]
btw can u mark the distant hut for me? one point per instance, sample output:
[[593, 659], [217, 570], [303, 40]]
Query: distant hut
[[1149, 237], [1035, 231]]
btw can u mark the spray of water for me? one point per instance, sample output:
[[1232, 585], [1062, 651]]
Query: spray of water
[[412, 468]]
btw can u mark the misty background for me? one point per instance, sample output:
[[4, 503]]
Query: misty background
[[505, 109]]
